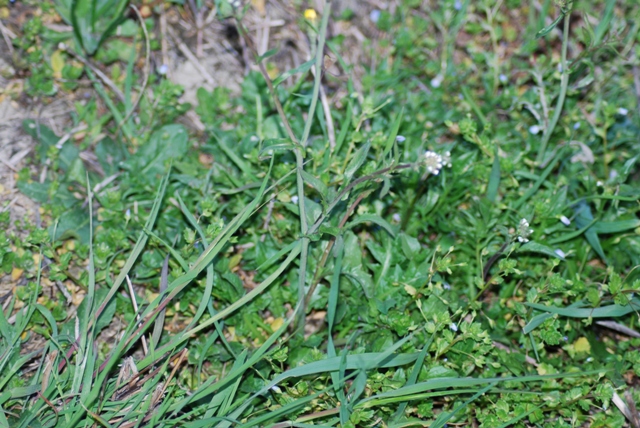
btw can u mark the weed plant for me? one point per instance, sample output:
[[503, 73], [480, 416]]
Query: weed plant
[[453, 241]]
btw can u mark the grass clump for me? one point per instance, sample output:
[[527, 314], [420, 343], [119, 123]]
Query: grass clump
[[448, 235]]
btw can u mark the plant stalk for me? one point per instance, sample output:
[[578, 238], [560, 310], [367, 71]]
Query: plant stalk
[[564, 83]]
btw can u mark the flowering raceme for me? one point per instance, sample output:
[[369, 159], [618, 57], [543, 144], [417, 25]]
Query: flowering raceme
[[434, 162], [524, 231]]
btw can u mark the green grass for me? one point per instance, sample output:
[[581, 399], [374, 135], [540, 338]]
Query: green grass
[[283, 281]]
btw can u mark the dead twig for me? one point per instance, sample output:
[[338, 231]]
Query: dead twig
[[96, 70], [145, 348], [245, 36], [191, 57], [147, 68], [325, 255], [7, 36]]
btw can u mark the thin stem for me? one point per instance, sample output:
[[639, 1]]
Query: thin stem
[[325, 255], [265, 74], [349, 187], [300, 151], [407, 214], [564, 83]]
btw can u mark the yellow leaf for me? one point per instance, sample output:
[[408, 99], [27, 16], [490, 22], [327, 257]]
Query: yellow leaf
[[259, 5], [57, 63], [411, 291], [582, 345], [277, 323], [16, 273], [77, 298]]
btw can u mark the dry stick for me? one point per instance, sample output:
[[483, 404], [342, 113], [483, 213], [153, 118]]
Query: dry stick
[[163, 43], [95, 69], [327, 117], [145, 348], [178, 363], [197, 15], [325, 255], [147, 66], [243, 33], [191, 57], [7, 38]]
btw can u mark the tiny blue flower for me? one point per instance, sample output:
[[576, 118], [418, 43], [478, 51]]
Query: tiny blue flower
[[162, 70], [400, 139], [374, 15], [623, 111], [534, 129], [503, 78]]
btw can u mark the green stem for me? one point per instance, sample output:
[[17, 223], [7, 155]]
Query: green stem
[[564, 83], [409, 211], [300, 151]]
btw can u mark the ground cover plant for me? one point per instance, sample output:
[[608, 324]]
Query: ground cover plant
[[403, 213]]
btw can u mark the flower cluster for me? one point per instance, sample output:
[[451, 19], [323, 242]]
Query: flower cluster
[[434, 162], [524, 231]]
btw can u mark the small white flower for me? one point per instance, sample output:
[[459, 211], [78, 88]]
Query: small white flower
[[374, 15], [565, 220], [162, 70], [446, 159], [576, 125], [613, 174], [534, 129], [559, 68], [276, 389], [588, 360], [127, 214], [503, 78], [524, 231], [599, 183], [453, 327], [235, 4], [433, 162], [294, 199], [446, 286], [436, 81], [400, 139], [560, 253], [396, 217], [623, 111]]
